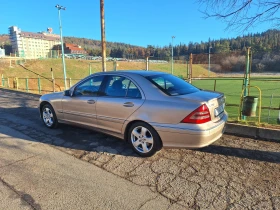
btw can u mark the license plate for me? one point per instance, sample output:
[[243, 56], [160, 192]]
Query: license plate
[[219, 110]]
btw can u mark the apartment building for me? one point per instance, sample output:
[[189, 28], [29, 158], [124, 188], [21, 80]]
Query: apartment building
[[32, 45]]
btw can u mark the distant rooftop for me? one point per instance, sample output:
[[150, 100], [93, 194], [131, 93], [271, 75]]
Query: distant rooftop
[[39, 35]]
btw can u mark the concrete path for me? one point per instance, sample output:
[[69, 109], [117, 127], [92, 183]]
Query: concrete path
[[37, 176]]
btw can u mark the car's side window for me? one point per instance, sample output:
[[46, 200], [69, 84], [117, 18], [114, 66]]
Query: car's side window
[[133, 91], [121, 87], [89, 87], [163, 83]]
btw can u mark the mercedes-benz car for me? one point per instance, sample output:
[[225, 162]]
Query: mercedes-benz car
[[148, 109]]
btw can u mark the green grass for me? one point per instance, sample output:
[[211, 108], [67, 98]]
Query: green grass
[[78, 69], [232, 90]]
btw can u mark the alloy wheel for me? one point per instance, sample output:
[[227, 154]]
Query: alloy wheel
[[48, 117], [142, 139]]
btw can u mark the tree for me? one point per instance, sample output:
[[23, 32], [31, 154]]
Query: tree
[[243, 14]]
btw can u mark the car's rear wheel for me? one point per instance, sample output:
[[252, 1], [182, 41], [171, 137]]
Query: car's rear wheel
[[48, 116], [143, 138]]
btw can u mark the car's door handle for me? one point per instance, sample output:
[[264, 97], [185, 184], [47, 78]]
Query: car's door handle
[[91, 101], [128, 104]]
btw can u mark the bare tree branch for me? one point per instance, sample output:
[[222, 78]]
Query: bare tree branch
[[242, 14]]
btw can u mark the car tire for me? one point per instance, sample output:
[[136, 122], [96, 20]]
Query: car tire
[[143, 139], [48, 116]]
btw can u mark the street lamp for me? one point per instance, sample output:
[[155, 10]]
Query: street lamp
[[172, 55], [209, 62], [61, 40]]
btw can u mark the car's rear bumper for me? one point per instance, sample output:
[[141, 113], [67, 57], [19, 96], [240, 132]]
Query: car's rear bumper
[[176, 137]]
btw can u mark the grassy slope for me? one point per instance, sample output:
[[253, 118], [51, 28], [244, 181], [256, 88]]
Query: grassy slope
[[80, 68]]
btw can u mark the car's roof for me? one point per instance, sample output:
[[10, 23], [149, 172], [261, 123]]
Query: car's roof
[[139, 72]]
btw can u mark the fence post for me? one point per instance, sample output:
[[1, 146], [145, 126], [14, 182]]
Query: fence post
[[215, 81], [39, 84], [187, 70], [8, 82], [52, 73], [26, 84], [17, 84], [10, 60], [53, 81], [3, 81], [115, 64], [89, 69], [70, 82], [190, 70]]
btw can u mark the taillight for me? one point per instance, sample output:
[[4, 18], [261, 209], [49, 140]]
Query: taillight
[[198, 116]]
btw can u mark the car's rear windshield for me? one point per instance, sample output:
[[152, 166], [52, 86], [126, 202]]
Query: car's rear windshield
[[172, 85]]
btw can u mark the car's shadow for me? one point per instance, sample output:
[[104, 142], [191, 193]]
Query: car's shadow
[[75, 138]]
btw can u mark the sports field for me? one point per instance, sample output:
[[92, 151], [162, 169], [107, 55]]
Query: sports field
[[232, 89]]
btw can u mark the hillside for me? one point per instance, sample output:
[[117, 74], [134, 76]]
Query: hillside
[[78, 69], [227, 54], [4, 39]]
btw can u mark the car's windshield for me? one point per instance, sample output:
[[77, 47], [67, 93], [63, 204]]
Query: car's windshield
[[172, 85]]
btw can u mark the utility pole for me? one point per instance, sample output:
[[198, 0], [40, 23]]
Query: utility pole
[[172, 71], [209, 61], [62, 48], [103, 39]]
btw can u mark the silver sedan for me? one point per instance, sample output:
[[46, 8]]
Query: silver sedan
[[148, 109]]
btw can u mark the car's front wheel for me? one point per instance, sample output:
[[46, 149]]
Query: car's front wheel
[[48, 116], [143, 138]]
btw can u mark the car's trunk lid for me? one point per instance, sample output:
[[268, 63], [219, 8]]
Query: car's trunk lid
[[214, 100]]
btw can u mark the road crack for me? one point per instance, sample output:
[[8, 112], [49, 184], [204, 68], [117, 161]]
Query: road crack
[[18, 161], [26, 198]]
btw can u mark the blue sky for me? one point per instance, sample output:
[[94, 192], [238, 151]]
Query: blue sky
[[142, 23]]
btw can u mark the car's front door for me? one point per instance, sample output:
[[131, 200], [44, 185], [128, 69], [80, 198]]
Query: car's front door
[[81, 106], [120, 99]]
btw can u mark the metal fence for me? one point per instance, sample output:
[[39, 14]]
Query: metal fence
[[231, 87]]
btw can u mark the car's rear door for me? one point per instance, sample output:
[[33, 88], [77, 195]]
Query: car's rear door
[[80, 108], [117, 103]]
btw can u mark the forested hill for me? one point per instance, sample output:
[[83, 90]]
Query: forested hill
[[260, 43], [268, 41]]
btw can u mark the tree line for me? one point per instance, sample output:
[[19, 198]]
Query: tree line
[[265, 42], [260, 43]]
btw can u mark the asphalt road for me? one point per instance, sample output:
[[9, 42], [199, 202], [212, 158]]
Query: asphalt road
[[233, 173]]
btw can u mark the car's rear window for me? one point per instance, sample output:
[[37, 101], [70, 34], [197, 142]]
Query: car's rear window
[[172, 85]]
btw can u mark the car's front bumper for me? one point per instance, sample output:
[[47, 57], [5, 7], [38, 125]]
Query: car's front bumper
[[176, 137]]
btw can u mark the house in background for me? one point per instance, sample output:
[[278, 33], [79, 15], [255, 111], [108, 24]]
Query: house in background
[[73, 49], [70, 50]]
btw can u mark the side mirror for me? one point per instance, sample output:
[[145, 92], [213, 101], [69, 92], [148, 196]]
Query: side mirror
[[67, 93]]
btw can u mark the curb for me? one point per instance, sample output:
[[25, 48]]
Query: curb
[[253, 132]]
